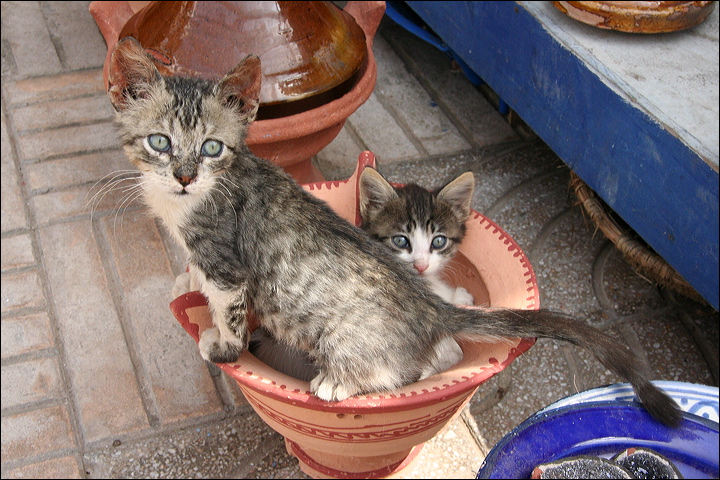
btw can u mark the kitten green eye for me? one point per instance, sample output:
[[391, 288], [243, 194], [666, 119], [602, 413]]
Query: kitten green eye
[[158, 142], [439, 242], [400, 241], [211, 148]]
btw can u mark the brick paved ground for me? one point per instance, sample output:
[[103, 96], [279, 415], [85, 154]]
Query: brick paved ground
[[99, 380]]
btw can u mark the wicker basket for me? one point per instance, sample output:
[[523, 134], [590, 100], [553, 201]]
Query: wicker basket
[[641, 257]]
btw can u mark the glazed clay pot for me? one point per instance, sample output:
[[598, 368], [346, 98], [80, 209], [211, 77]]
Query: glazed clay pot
[[379, 435], [638, 17], [292, 140]]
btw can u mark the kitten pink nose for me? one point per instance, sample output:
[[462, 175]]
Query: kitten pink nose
[[184, 180], [421, 267]]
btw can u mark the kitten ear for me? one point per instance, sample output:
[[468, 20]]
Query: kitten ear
[[459, 192], [131, 73], [240, 88], [374, 193]]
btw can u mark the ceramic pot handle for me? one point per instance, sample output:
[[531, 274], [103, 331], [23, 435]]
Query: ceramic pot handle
[[368, 16]]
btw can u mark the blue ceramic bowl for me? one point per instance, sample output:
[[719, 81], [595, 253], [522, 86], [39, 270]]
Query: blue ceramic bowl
[[603, 429], [701, 400]]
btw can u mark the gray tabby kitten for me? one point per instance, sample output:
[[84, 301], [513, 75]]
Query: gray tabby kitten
[[255, 239], [423, 229]]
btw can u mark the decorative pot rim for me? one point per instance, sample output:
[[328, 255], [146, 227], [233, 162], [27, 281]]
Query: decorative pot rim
[[326, 115], [248, 371]]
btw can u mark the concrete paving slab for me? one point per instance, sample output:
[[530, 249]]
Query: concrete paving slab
[[24, 27], [76, 170], [454, 450], [76, 52], [82, 202], [380, 131], [412, 105], [17, 252], [30, 434], [171, 369], [49, 115], [55, 87], [31, 381], [21, 291], [65, 467], [13, 216], [474, 117], [97, 358], [333, 160], [60, 142], [25, 334]]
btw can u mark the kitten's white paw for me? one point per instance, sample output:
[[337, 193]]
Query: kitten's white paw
[[328, 390], [462, 297], [208, 339], [214, 348], [182, 285], [315, 382]]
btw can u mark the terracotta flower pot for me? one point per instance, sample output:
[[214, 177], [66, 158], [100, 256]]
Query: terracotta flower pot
[[378, 435], [289, 141]]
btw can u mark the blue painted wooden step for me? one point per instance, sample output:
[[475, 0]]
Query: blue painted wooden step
[[635, 116]]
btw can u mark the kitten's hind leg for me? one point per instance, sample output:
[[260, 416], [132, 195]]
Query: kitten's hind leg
[[354, 359], [328, 390], [462, 297], [338, 385]]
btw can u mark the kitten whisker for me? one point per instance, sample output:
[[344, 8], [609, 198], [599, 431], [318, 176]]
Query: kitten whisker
[[94, 200], [111, 185], [98, 198], [135, 195], [228, 198], [131, 193], [211, 200], [225, 179], [115, 174], [453, 269]]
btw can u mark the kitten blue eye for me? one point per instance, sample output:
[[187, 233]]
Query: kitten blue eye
[[439, 242], [211, 148], [158, 142], [400, 241]]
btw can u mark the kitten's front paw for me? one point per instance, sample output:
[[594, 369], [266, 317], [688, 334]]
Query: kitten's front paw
[[328, 390], [214, 348], [462, 297]]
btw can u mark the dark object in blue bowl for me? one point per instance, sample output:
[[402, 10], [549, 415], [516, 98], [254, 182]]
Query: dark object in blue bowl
[[582, 466], [603, 429], [646, 463]]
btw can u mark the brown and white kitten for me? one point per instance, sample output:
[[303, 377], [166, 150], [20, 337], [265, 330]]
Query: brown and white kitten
[[424, 230], [256, 239]]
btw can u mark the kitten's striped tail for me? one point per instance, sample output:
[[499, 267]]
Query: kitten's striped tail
[[472, 323]]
